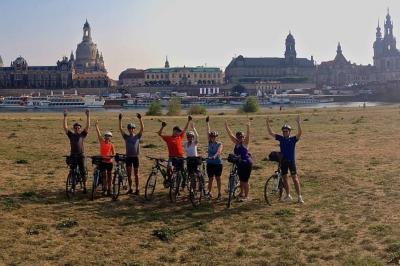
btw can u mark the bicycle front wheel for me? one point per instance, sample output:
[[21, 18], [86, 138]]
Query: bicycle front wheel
[[150, 186], [116, 186], [272, 190], [70, 185], [174, 188], [231, 190], [94, 185], [196, 188]]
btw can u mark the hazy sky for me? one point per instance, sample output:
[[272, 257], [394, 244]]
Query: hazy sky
[[140, 33]]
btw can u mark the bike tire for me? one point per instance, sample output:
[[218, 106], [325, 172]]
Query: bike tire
[[196, 190], [272, 190], [70, 184], [175, 186], [150, 186], [116, 186], [231, 190]]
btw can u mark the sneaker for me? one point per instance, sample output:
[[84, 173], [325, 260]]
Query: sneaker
[[243, 199], [300, 200], [130, 191], [219, 197], [288, 198]]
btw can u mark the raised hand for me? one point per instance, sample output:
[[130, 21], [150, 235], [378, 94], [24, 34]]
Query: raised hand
[[139, 116], [87, 112], [190, 118], [163, 124], [298, 118], [65, 113], [96, 123], [120, 116], [207, 119]]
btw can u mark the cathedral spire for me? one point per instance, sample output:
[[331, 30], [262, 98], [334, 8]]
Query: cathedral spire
[[1, 62], [166, 62], [290, 52], [86, 32], [339, 49]]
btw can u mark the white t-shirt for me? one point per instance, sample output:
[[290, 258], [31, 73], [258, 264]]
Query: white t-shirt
[[191, 150]]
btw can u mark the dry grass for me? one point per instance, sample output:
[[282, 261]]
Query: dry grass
[[347, 160]]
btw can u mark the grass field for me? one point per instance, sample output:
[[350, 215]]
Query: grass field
[[348, 161]]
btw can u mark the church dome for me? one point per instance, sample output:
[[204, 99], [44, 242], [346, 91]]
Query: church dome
[[20, 63]]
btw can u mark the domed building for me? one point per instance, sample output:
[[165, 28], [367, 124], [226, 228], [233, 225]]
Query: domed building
[[85, 71]]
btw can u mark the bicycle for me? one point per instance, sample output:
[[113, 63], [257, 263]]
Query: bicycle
[[179, 175], [97, 178], [74, 175], [273, 187], [233, 182], [119, 175], [197, 182], [158, 167]]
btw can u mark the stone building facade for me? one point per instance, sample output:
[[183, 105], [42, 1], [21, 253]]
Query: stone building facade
[[289, 69], [131, 77], [183, 76], [86, 71]]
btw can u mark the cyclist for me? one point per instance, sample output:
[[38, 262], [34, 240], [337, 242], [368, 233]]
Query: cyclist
[[132, 141], [287, 145], [76, 139], [190, 147], [245, 164], [214, 162], [175, 147], [106, 165]]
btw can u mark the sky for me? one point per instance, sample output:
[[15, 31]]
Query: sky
[[141, 33]]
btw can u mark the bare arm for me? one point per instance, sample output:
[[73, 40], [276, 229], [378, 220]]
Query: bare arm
[[98, 131], [120, 125], [270, 132], [196, 135], [231, 136], [163, 124], [208, 127], [187, 124], [87, 120], [112, 150], [139, 116], [65, 125], [299, 131]]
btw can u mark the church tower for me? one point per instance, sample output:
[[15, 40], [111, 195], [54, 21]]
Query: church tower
[[389, 41], [290, 53], [166, 62], [1, 62], [87, 36]]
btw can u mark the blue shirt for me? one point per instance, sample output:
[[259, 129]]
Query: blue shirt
[[212, 150], [288, 146]]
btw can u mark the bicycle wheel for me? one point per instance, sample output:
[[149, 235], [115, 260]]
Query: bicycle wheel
[[231, 189], [70, 185], [116, 186], [94, 185], [272, 190], [174, 188], [196, 190], [150, 186]]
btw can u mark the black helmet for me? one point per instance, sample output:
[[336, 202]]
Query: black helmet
[[213, 134], [286, 126], [239, 134], [76, 125], [177, 128]]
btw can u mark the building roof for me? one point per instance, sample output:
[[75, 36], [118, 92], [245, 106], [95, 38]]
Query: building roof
[[241, 61], [132, 73]]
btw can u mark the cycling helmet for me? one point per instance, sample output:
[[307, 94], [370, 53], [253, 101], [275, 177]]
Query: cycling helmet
[[177, 128], [131, 125], [286, 126], [190, 134], [213, 134], [77, 125], [108, 133], [239, 134]]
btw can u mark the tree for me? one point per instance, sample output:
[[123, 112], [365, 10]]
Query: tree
[[174, 106], [155, 109], [250, 105], [197, 110]]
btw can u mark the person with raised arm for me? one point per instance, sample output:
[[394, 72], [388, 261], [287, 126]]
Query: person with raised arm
[[175, 147], [287, 145], [76, 139], [214, 161], [132, 141], [107, 152], [190, 147], [245, 164]]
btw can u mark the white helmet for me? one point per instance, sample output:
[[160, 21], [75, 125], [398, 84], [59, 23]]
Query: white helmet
[[108, 133]]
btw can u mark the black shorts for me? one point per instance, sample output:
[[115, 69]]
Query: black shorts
[[192, 164], [288, 165], [80, 161], [177, 163], [132, 161], [244, 172], [214, 170], [105, 166]]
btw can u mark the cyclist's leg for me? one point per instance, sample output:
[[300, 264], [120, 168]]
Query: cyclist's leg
[[295, 178], [109, 177], [103, 172], [210, 174], [136, 173], [129, 172], [218, 173], [285, 170], [82, 170]]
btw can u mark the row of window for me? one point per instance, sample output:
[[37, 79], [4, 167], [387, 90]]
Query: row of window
[[195, 75]]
